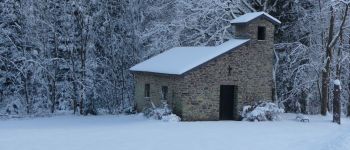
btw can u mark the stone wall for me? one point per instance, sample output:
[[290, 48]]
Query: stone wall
[[156, 82], [251, 72], [196, 94]]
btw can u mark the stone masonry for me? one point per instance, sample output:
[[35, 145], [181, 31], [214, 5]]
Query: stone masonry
[[195, 95]]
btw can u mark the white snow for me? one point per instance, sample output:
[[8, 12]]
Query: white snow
[[178, 60], [263, 112], [336, 82], [251, 16], [137, 133], [171, 118]]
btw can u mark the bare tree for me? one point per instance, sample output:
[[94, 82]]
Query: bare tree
[[332, 40], [337, 82]]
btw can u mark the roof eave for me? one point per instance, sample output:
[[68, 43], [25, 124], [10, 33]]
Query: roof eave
[[154, 73]]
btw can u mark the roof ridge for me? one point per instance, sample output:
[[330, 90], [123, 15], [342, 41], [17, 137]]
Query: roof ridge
[[209, 46], [248, 17]]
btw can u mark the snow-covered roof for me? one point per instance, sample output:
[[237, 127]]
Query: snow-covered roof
[[251, 16], [179, 60]]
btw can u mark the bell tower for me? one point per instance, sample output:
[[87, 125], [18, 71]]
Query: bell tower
[[257, 26]]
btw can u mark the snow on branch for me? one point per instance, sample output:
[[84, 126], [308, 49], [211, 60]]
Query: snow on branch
[[337, 82]]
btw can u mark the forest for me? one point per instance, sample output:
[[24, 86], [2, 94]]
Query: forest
[[74, 55]]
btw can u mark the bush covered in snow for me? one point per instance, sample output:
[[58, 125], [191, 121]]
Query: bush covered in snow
[[13, 108], [171, 118], [264, 111], [163, 113]]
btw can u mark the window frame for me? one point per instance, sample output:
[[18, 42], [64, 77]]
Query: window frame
[[261, 32], [164, 91], [147, 90]]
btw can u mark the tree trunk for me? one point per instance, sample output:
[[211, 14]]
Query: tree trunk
[[326, 70], [337, 88], [325, 83], [55, 69], [336, 104], [337, 84], [53, 96], [123, 80], [74, 83], [304, 102], [348, 108], [348, 115], [82, 54], [28, 107]]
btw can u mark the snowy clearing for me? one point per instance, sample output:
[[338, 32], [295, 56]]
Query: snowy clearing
[[134, 132]]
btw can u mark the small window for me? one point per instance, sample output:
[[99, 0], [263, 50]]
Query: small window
[[164, 93], [261, 33], [147, 90]]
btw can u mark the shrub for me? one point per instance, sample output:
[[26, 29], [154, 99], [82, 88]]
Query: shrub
[[171, 118], [263, 111], [161, 113]]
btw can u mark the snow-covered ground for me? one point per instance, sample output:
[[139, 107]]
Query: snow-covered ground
[[137, 133]]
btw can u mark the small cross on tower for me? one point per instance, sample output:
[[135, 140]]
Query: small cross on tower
[[229, 70]]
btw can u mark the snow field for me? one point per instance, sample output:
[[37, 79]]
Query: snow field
[[135, 132]]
